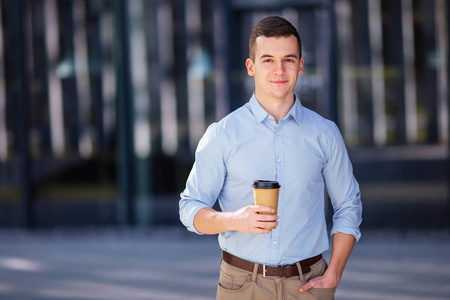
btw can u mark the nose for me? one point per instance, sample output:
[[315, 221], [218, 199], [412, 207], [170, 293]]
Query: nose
[[279, 68]]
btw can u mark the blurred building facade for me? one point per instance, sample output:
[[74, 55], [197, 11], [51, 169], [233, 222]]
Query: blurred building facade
[[102, 102]]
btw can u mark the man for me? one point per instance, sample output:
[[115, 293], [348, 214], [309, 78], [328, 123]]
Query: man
[[273, 137]]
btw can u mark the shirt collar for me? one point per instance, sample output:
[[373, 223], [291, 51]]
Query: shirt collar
[[260, 113], [296, 110], [257, 110]]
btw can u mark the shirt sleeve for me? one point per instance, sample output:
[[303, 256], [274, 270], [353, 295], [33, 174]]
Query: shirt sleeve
[[205, 180], [342, 188]]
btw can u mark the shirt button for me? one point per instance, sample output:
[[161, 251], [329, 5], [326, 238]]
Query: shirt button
[[275, 243], [278, 133], [279, 160]]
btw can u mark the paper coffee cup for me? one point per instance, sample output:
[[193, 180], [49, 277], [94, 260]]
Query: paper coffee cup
[[265, 192]]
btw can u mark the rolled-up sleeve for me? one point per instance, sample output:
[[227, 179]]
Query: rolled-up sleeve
[[205, 180], [342, 188]]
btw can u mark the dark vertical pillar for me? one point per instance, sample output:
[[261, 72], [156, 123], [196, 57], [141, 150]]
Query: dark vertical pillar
[[181, 66], [427, 83], [40, 107], [235, 62], [67, 73], [124, 114], [207, 38], [93, 11], [393, 56], [21, 95], [360, 28]]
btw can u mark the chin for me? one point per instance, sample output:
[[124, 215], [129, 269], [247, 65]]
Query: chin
[[280, 96]]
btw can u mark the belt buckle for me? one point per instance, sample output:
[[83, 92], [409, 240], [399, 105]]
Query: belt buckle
[[264, 270]]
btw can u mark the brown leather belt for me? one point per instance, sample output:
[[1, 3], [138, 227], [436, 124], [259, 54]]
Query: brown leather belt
[[279, 271]]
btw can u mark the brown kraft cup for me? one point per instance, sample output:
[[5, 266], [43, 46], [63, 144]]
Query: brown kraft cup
[[266, 193]]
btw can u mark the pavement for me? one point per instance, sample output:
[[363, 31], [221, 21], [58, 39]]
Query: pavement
[[168, 263]]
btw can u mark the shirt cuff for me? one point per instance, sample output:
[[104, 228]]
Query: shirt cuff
[[355, 232], [187, 215]]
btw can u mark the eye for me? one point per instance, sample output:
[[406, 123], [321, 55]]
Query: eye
[[267, 60]]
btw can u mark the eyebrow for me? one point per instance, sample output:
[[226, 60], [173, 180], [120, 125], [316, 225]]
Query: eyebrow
[[269, 56]]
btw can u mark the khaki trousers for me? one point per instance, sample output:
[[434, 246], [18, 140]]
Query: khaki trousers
[[237, 284]]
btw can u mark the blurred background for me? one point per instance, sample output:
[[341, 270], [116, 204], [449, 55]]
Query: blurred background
[[102, 102]]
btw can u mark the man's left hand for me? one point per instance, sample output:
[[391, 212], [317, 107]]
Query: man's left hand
[[320, 282]]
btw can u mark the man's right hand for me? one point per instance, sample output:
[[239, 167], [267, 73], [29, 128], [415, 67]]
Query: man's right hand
[[246, 220], [250, 220]]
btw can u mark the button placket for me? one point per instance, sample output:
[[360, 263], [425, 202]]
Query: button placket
[[279, 169]]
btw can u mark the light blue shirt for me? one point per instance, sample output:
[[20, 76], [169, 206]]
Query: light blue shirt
[[303, 152]]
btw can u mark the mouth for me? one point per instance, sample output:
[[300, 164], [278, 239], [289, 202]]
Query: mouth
[[279, 81]]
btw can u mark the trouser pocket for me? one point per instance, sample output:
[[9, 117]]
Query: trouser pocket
[[321, 294], [234, 283]]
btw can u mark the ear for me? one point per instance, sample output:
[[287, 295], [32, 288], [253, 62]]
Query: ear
[[249, 65], [301, 64]]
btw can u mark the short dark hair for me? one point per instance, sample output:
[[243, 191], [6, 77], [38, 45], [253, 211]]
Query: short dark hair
[[272, 26]]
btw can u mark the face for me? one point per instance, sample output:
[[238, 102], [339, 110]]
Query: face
[[276, 68]]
